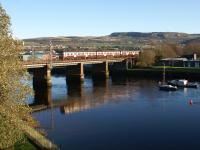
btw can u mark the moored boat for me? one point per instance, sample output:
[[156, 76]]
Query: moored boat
[[182, 83], [192, 85], [179, 83], [166, 87]]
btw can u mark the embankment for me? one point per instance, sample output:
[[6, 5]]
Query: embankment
[[186, 73]]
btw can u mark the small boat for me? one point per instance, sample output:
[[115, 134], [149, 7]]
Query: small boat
[[179, 83], [183, 83], [192, 85], [166, 87]]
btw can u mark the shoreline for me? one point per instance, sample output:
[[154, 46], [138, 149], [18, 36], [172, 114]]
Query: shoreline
[[39, 140], [157, 73]]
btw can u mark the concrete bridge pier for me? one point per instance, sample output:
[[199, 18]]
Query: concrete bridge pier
[[100, 70], [129, 63], [75, 73], [42, 96], [119, 66], [42, 76]]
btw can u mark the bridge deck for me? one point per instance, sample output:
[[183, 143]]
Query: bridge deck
[[62, 63]]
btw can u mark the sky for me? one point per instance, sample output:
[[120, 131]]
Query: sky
[[42, 18]]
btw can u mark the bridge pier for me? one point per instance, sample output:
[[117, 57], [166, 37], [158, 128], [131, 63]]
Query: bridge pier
[[124, 65], [100, 70], [42, 76], [42, 96], [75, 73], [130, 63], [127, 64]]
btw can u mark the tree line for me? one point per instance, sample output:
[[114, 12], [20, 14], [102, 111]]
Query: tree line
[[149, 57]]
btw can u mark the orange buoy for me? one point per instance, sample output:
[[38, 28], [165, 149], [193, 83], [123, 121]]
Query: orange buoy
[[190, 102]]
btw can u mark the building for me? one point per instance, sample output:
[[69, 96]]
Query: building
[[39, 55], [185, 61]]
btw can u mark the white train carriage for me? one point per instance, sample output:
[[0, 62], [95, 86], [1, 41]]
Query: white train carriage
[[100, 53], [124, 53], [115, 53], [90, 54], [97, 54], [78, 55], [129, 53], [68, 55], [108, 53]]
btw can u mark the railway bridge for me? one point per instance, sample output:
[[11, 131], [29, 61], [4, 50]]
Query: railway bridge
[[75, 66]]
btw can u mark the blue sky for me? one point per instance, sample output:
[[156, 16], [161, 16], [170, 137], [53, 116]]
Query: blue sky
[[39, 18]]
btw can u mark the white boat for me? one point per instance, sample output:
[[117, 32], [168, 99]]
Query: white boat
[[183, 83], [179, 83]]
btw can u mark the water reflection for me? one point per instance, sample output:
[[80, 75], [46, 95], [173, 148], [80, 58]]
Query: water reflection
[[75, 101], [78, 98], [42, 96], [83, 96], [75, 89]]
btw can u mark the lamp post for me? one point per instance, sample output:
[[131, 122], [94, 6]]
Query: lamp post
[[50, 53], [33, 53]]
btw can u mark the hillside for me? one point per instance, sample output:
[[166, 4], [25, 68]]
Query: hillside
[[122, 40]]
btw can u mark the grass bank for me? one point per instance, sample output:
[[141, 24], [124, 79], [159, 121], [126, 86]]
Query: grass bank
[[25, 144], [157, 72]]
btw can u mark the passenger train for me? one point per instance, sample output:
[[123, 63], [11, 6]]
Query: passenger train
[[98, 54]]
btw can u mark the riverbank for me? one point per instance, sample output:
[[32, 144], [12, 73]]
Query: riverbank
[[38, 139], [33, 140], [25, 144], [157, 72]]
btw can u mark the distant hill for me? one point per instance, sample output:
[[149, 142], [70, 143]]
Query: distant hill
[[160, 35], [193, 41], [122, 40]]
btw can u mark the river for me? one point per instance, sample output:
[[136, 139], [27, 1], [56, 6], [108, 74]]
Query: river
[[119, 114]]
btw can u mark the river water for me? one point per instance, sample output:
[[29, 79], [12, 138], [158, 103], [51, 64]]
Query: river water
[[119, 114]]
